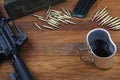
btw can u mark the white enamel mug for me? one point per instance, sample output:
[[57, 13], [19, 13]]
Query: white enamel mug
[[100, 49]]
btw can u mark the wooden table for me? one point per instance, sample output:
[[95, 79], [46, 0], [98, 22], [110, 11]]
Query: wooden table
[[54, 55]]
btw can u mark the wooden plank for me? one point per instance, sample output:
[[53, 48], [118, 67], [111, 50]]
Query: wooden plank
[[54, 54]]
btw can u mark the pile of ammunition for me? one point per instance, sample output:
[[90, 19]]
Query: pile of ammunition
[[104, 18], [54, 18]]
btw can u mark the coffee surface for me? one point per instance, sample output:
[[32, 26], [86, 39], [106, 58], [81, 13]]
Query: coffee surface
[[100, 48]]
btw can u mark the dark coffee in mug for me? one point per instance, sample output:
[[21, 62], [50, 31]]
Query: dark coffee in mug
[[100, 48]]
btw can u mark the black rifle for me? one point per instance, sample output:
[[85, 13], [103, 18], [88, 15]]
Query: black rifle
[[10, 45]]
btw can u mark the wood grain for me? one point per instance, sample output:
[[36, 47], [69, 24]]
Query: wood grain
[[54, 55]]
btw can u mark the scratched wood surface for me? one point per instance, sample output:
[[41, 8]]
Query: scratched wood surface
[[54, 55]]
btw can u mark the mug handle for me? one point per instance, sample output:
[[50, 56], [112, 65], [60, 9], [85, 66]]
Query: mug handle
[[85, 53]]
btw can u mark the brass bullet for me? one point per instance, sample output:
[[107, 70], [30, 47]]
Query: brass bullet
[[55, 13], [42, 19], [66, 16], [104, 9], [60, 17], [96, 14], [102, 17], [116, 28], [62, 21], [104, 20], [102, 14], [112, 20], [48, 15], [68, 12], [116, 24], [48, 27], [48, 11], [70, 22], [35, 15], [38, 26], [54, 21], [65, 11], [51, 24], [118, 20], [53, 18]]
